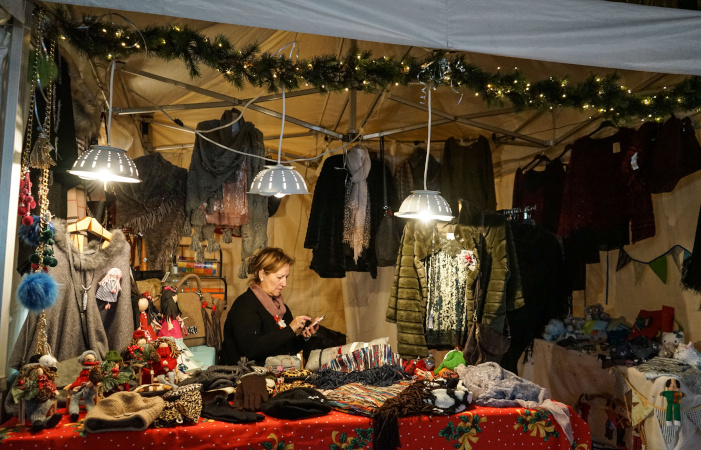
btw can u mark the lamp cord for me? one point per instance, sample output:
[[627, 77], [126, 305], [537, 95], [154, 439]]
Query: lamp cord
[[282, 127], [428, 141], [109, 112]]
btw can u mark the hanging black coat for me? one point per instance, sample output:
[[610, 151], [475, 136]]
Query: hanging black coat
[[331, 258]]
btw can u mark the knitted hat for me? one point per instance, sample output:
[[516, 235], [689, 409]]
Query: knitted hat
[[298, 403], [123, 411], [113, 356]]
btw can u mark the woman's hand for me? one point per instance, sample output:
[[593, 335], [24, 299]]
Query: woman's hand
[[311, 330], [298, 323]]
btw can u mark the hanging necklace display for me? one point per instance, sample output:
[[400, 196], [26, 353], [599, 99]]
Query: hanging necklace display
[[38, 290]]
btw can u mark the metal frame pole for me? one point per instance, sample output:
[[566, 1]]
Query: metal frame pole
[[13, 124]]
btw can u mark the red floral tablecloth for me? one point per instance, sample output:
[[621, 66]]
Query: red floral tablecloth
[[477, 428]]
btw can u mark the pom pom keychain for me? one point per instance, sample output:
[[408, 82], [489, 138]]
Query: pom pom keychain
[[37, 291]]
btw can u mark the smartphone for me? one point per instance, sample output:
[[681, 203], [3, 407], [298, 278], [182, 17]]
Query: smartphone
[[315, 323]]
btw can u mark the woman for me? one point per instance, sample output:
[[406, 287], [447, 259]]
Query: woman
[[259, 324]]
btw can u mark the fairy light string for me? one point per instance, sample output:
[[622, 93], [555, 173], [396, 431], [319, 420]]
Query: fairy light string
[[99, 38]]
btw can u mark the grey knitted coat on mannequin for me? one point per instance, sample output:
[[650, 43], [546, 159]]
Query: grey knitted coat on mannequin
[[110, 329]]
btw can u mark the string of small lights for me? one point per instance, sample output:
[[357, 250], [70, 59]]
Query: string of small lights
[[604, 96]]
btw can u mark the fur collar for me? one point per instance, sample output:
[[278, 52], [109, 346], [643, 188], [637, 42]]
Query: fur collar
[[93, 257]]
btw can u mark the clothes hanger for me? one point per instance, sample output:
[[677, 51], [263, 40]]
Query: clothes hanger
[[602, 125], [91, 225], [537, 159], [567, 148]]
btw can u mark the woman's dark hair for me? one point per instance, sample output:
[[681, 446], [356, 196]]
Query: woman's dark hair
[[269, 260]]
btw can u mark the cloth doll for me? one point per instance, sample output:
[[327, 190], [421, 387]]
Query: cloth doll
[[148, 317], [116, 374], [36, 387], [109, 288], [167, 351], [85, 385], [171, 322], [674, 402], [140, 356]]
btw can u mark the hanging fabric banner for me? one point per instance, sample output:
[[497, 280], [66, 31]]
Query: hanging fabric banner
[[639, 269], [659, 266], [677, 254], [623, 259]]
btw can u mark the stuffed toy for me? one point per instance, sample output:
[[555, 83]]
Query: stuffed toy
[[451, 360], [35, 386], [554, 330], [452, 398], [670, 342], [688, 354], [593, 312], [167, 362], [148, 317], [674, 402], [85, 386]]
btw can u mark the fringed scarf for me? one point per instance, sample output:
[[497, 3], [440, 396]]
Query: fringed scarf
[[155, 207], [274, 305], [356, 220], [410, 402]]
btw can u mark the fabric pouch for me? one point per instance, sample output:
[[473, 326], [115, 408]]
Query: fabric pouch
[[278, 364]]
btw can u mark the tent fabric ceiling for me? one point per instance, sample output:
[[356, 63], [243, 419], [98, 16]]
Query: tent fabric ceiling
[[586, 32]]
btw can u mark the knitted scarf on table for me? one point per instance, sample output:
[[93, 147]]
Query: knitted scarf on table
[[212, 166], [155, 207], [356, 219]]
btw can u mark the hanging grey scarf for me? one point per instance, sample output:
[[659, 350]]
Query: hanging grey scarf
[[356, 220]]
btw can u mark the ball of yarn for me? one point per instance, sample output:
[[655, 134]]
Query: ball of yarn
[[37, 291]]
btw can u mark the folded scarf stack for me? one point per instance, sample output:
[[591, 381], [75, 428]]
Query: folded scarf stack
[[217, 377], [363, 359]]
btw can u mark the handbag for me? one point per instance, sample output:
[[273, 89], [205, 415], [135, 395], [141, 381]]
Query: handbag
[[389, 234], [200, 313], [484, 343], [278, 364]]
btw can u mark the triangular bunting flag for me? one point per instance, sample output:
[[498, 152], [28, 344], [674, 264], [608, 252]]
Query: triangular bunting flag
[[659, 266], [639, 269], [623, 259], [676, 252], [687, 254]]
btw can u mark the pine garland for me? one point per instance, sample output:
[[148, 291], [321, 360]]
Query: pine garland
[[358, 69]]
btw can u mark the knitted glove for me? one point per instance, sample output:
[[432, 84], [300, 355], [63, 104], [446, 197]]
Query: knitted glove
[[219, 409], [251, 393]]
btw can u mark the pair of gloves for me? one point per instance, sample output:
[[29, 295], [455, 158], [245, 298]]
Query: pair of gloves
[[251, 393]]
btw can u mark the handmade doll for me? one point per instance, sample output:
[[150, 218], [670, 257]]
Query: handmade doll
[[85, 386], [148, 317], [168, 352], [674, 402], [171, 322], [109, 288], [140, 355], [117, 375], [36, 387]]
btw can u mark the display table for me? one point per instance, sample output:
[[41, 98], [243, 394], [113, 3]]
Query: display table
[[493, 428]]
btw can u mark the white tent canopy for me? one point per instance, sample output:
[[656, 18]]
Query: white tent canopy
[[586, 32]]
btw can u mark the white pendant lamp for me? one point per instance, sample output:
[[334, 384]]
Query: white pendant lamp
[[279, 180], [104, 162], [425, 204]]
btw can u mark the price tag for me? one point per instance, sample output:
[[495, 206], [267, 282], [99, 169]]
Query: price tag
[[634, 161]]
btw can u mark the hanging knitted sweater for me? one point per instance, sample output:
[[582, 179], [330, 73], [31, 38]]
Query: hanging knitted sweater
[[103, 329]]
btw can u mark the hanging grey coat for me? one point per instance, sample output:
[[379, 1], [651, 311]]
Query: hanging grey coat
[[104, 329]]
